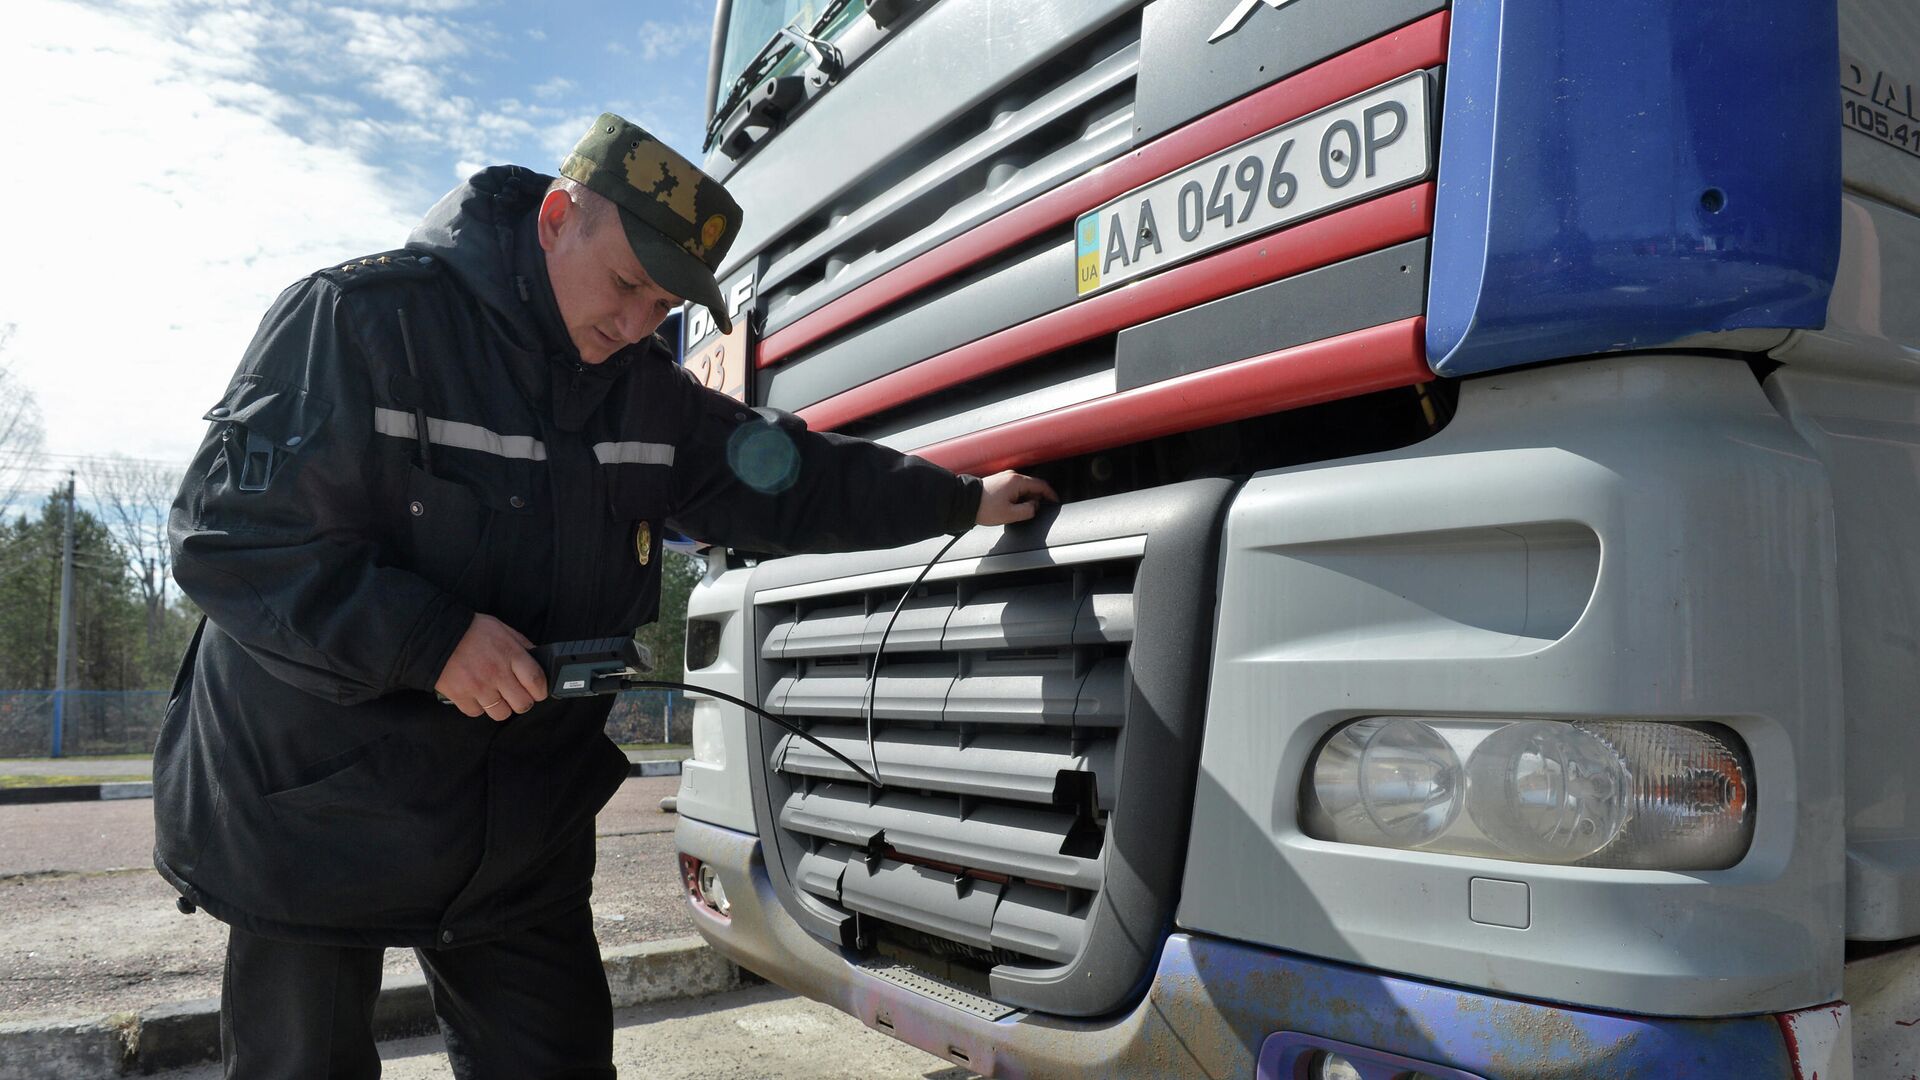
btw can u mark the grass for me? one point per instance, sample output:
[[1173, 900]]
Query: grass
[[68, 781]]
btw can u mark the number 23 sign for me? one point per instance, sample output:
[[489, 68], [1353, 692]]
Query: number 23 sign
[[721, 363]]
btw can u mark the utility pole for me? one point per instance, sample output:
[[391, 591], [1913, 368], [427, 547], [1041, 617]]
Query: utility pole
[[66, 622]]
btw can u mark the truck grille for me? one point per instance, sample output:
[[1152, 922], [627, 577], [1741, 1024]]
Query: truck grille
[[999, 713], [1025, 136]]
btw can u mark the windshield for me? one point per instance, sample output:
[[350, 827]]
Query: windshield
[[751, 23]]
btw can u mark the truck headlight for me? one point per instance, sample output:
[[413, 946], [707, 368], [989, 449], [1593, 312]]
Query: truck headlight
[[1392, 781], [1613, 793]]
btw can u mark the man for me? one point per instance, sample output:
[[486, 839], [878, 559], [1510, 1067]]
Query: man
[[429, 460]]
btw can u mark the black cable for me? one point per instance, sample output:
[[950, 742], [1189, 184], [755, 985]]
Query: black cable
[[661, 684], [873, 777], [873, 676]]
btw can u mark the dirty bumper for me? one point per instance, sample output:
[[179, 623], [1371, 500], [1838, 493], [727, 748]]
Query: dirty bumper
[[1213, 1003]]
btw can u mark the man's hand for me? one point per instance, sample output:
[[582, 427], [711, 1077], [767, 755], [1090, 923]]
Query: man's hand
[[1007, 497], [491, 672]]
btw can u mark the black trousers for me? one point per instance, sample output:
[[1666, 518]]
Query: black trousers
[[531, 1006]]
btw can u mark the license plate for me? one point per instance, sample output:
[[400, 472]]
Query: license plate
[[1344, 153]]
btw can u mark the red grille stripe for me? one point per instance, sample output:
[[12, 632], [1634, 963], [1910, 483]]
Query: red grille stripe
[[1377, 358], [1379, 222], [1417, 45]]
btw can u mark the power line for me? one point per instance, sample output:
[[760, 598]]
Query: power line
[[103, 459]]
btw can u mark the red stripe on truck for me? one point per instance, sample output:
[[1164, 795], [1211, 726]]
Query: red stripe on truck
[[1377, 358], [1379, 222], [1417, 45]]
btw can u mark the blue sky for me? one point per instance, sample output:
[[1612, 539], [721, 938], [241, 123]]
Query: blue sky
[[175, 163]]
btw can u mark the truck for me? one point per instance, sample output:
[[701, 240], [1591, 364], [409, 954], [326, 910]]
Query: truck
[[1478, 637]]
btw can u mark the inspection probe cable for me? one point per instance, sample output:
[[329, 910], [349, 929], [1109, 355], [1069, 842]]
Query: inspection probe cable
[[667, 684], [873, 675], [609, 665]]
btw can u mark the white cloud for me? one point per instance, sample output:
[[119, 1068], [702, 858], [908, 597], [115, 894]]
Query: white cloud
[[185, 160], [560, 137], [422, 5], [165, 207], [659, 40], [390, 40]]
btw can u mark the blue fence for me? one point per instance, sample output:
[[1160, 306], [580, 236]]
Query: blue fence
[[80, 723]]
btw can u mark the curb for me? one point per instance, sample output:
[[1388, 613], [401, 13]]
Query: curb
[[143, 789], [129, 789], [188, 1032]]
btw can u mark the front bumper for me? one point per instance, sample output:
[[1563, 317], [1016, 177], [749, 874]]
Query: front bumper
[[1212, 1002]]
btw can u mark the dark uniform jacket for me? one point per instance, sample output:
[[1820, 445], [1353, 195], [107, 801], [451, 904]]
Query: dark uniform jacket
[[307, 783]]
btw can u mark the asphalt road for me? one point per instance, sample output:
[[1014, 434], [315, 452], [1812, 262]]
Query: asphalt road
[[761, 1033], [90, 928]]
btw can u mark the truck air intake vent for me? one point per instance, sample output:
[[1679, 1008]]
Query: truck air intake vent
[[998, 712], [1036, 729]]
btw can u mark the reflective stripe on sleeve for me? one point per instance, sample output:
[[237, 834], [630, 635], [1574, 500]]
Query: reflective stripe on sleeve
[[462, 436], [633, 453]]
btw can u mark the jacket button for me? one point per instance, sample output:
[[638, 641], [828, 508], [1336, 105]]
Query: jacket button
[[517, 502], [219, 412], [293, 440], [446, 937], [416, 508]]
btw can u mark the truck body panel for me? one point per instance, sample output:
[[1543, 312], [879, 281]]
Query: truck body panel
[[1500, 569], [1625, 175], [1609, 415], [1211, 1004]]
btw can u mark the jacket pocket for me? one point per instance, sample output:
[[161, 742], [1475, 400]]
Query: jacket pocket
[[185, 673], [447, 527], [264, 424], [348, 779]]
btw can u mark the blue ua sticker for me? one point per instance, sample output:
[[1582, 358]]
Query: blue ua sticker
[[1087, 252]]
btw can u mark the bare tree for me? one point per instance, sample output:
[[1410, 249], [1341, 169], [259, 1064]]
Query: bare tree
[[20, 432], [133, 497]]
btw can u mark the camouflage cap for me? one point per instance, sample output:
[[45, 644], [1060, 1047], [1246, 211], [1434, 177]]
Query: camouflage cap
[[679, 220]]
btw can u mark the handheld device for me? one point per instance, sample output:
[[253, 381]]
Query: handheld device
[[592, 665], [609, 665]]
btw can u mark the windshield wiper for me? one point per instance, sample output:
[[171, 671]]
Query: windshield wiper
[[825, 58], [775, 50]]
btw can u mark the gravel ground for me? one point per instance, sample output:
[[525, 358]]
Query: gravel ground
[[90, 928]]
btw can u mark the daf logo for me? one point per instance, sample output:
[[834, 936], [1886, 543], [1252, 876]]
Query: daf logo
[[1237, 18], [700, 322]]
